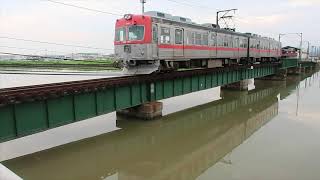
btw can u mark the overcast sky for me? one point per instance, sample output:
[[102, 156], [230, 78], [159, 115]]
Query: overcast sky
[[46, 21]]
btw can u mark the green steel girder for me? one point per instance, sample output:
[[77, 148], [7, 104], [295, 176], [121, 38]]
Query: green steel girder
[[27, 118], [289, 63], [306, 64]]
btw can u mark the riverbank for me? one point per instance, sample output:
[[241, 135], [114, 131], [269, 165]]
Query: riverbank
[[57, 62], [83, 65]]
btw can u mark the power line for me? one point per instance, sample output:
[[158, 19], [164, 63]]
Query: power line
[[52, 43], [84, 8], [188, 3], [225, 16]]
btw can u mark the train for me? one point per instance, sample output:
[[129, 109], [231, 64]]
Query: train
[[155, 41]]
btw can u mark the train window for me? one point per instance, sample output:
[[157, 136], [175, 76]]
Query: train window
[[245, 44], [251, 44], [230, 42], [258, 45], [205, 39], [213, 39], [198, 39], [120, 34], [136, 33], [225, 42], [220, 40], [160, 14], [165, 36], [190, 38], [193, 38], [242, 42], [179, 36], [155, 33]]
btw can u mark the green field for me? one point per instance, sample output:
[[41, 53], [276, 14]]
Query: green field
[[79, 65], [57, 62]]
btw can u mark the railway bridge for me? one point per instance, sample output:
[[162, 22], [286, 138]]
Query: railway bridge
[[28, 110], [217, 134]]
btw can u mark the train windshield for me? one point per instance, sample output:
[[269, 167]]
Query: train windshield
[[136, 33], [121, 34]]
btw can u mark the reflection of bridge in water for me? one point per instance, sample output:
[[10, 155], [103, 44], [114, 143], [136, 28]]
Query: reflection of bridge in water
[[180, 146]]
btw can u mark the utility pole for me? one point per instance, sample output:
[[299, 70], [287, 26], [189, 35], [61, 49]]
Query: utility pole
[[300, 54], [308, 51], [280, 36], [224, 16], [142, 3]]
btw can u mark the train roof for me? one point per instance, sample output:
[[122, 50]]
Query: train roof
[[187, 22], [177, 20]]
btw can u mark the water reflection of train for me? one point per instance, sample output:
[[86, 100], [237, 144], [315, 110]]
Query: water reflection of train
[[180, 146]]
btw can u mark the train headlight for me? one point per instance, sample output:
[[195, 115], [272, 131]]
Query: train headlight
[[128, 16]]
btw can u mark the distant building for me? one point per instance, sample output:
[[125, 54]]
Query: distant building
[[87, 56], [11, 57]]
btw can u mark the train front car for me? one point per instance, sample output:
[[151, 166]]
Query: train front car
[[133, 44]]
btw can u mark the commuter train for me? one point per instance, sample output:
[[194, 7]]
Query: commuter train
[[156, 41]]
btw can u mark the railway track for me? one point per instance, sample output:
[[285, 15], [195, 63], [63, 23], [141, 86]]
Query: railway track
[[45, 91]]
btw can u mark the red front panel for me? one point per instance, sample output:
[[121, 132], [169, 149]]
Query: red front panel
[[145, 21]]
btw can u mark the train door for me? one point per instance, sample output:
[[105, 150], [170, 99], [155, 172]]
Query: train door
[[179, 43], [220, 45], [252, 47], [269, 49], [213, 44], [259, 49], [236, 46], [166, 42], [155, 39]]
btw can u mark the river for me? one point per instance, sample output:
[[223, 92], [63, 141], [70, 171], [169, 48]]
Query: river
[[269, 132]]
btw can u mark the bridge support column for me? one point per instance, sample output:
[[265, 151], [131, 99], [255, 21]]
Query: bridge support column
[[147, 111], [241, 85], [296, 71], [310, 69]]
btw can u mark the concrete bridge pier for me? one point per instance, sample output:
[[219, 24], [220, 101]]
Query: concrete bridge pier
[[297, 70], [280, 75], [147, 111], [6, 174], [311, 69], [240, 86]]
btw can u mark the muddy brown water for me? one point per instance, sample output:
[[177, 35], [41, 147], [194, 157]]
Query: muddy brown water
[[270, 132]]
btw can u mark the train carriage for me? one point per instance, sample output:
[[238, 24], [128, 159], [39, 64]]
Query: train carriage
[[157, 41]]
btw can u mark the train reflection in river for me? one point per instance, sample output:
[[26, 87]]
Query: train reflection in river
[[179, 146]]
